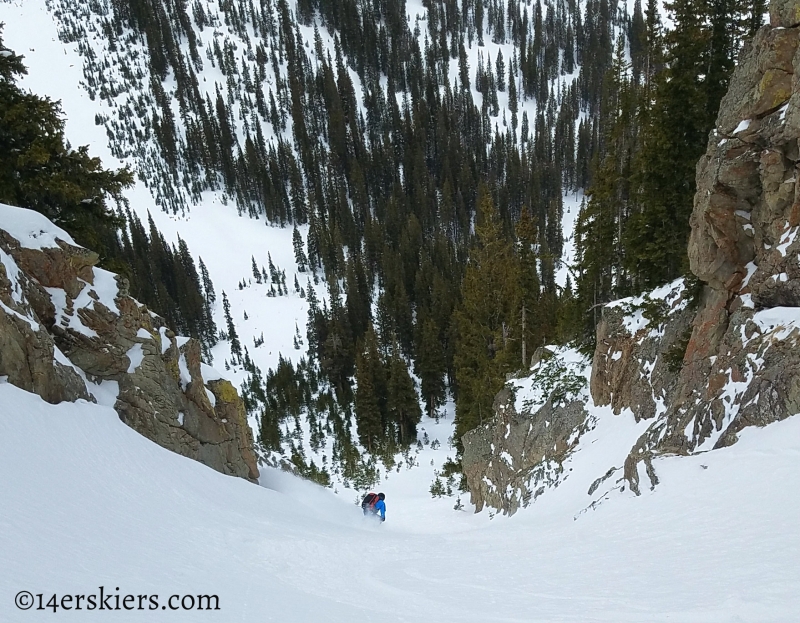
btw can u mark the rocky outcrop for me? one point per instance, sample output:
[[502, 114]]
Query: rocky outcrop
[[640, 346], [695, 366], [539, 420], [741, 363], [27, 353], [69, 330]]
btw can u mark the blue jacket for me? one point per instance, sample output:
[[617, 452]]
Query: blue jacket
[[380, 507]]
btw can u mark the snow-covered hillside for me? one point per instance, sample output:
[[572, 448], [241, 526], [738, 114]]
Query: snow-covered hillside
[[87, 502], [213, 229]]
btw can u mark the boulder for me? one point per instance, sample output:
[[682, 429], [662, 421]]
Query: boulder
[[519, 454]]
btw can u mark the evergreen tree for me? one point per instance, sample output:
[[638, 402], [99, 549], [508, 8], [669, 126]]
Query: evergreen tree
[[402, 400], [233, 337], [208, 286], [656, 236], [533, 330], [299, 253], [370, 387], [39, 171], [430, 365], [600, 251], [500, 71], [485, 350]]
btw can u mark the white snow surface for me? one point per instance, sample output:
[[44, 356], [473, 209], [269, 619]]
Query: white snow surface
[[635, 319], [781, 321], [109, 508], [572, 208], [31, 229], [135, 355], [717, 541]]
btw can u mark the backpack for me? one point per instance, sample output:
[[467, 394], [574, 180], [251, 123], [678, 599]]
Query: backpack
[[369, 500]]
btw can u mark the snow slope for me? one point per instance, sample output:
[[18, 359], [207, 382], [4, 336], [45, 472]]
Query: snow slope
[[212, 228], [87, 502], [213, 231]]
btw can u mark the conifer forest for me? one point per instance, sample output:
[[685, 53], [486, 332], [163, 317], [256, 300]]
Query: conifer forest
[[425, 168]]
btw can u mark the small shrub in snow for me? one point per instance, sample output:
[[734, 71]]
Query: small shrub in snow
[[437, 488]]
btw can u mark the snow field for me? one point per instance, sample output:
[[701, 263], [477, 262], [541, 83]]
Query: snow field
[[87, 502]]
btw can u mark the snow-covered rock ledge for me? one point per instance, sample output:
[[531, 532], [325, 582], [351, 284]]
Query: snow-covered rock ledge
[[69, 331], [538, 422]]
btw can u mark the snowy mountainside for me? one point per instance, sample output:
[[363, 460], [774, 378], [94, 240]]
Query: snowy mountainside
[[226, 241], [238, 51], [711, 545], [104, 78], [715, 541], [213, 228]]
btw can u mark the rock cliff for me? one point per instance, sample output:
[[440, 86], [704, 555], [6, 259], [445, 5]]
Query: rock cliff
[[695, 364], [70, 331]]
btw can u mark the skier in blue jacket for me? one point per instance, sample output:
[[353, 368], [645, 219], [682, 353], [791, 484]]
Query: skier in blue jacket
[[380, 506], [374, 504]]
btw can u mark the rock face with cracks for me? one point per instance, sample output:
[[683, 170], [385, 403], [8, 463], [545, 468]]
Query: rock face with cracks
[[515, 457], [70, 331], [699, 362]]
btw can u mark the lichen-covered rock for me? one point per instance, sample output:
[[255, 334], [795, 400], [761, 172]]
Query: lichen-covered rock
[[70, 330], [231, 412], [784, 13], [762, 82]]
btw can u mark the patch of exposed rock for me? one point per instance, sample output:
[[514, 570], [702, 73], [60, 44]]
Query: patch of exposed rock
[[640, 346], [69, 331], [515, 457]]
